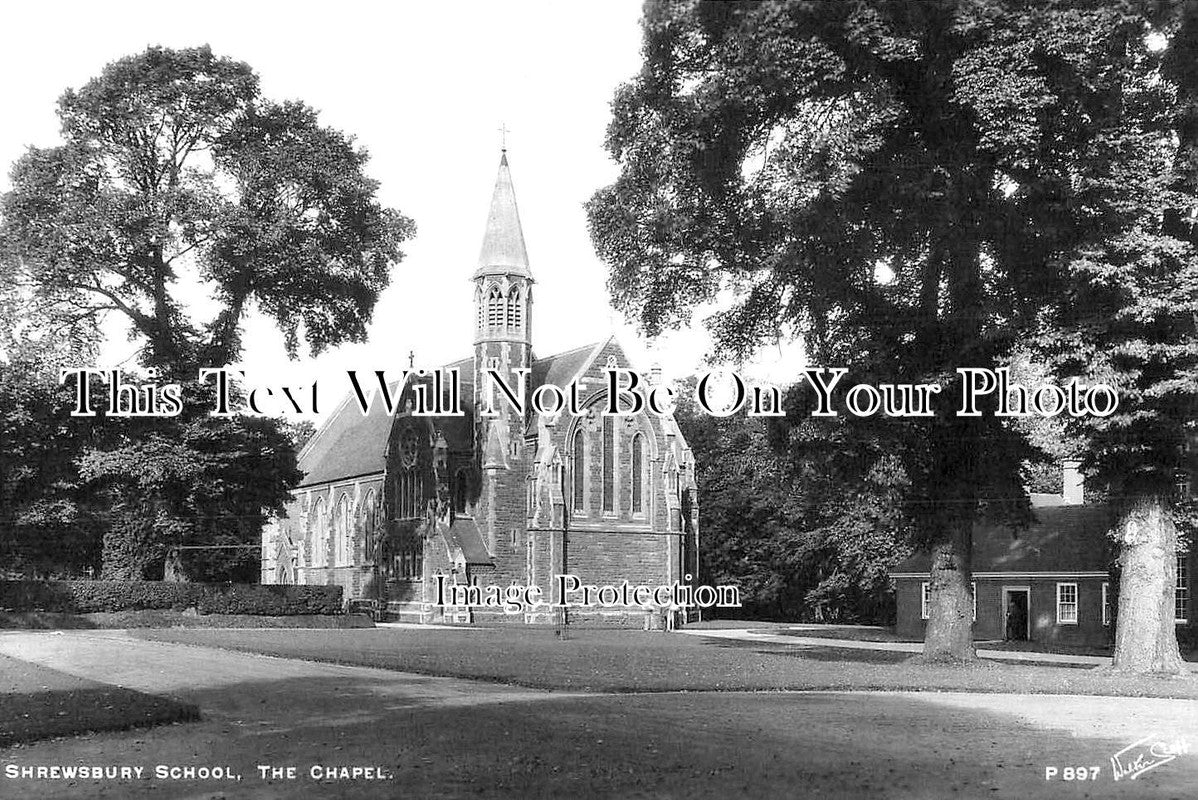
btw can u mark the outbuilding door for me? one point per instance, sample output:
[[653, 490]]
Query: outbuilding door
[[1016, 613]]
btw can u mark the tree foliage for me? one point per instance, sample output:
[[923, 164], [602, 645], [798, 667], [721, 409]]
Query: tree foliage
[[46, 525], [1129, 318], [176, 180], [899, 183], [175, 168], [787, 519], [204, 481]]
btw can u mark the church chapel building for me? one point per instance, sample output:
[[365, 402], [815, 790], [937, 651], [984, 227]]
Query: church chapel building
[[390, 503]]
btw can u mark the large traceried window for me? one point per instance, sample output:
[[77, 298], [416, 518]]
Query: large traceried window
[[579, 470], [320, 533], [1181, 595], [1066, 603], [342, 532], [609, 466], [638, 474], [494, 308], [407, 495]]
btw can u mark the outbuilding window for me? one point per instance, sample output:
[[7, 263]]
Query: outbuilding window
[[926, 596], [1066, 603], [1181, 595]]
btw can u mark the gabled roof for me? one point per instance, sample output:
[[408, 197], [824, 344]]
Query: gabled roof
[[503, 251], [1063, 538], [349, 444], [564, 368]]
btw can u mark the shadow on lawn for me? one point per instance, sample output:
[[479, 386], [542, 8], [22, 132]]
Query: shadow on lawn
[[678, 745], [859, 656], [44, 621], [812, 652], [30, 716]]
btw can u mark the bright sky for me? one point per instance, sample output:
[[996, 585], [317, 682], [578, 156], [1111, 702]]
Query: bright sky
[[424, 87]]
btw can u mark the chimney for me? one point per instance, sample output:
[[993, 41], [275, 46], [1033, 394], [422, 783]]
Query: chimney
[[1073, 488]]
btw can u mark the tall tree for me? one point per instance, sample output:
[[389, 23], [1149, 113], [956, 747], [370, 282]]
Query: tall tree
[[893, 181], [177, 181], [1130, 319], [174, 166]]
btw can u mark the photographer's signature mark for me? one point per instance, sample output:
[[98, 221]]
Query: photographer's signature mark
[[1144, 754]]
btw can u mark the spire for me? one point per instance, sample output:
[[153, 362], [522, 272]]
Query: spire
[[503, 250]]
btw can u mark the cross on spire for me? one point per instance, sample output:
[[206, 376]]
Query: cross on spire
[[503, 132], [411, 359]]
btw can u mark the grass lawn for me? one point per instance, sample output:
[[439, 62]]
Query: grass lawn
[[870, 633], [860, 634], [636, 661], [40, 703]]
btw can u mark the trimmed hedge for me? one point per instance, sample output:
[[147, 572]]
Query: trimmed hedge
[[83, 597]]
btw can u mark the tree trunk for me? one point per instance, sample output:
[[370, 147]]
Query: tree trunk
[[1145, 633], [949, 633]]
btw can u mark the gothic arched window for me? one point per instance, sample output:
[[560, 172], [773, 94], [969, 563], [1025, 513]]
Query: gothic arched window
[[514, 310], [638, 474], [579, 470], [342, 530], [369, 526], [320, 533], [494, 308], [609, 466]]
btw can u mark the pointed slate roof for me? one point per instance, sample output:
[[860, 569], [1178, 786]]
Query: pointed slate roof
[[503, 251]]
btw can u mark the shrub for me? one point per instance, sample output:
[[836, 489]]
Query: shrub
[[83, 597]]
